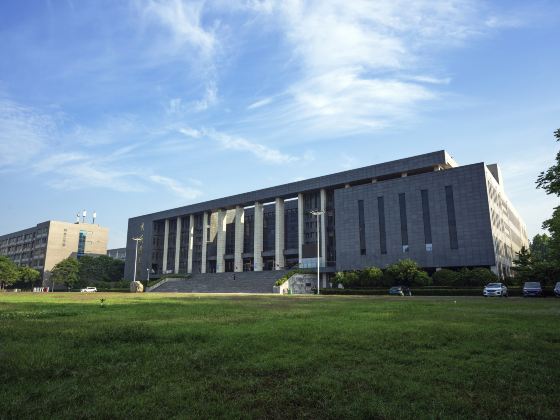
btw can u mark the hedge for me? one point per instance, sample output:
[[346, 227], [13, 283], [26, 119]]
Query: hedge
[[428, 291]]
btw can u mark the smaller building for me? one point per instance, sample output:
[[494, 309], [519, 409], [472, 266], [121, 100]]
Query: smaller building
[[117, 253], [41, 247]]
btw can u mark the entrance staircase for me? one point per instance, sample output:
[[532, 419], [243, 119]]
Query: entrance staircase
[[245, 282]]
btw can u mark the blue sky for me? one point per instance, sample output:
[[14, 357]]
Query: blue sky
[[132, 107]]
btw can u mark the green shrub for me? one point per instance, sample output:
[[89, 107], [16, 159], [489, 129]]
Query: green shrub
[[476, 277], [445, 277], [285, 277], [406, 273], [370, 277]]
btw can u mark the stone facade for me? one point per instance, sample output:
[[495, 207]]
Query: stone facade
[[48, 243], [425, 207]]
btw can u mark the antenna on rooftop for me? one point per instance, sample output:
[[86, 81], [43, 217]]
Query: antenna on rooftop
[[94, 216], [84, 214]]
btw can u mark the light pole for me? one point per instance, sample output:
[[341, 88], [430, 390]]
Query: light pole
[[318, 213], [138, 239], [148, 281]]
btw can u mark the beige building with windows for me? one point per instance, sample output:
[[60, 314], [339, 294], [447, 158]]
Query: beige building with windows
[[43, 246]]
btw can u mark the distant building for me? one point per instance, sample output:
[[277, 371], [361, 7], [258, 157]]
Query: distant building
[[43, 246], [427, 208], [117, 253]]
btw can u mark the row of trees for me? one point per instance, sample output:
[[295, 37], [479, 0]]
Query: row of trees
[[11, 274], [87, 271], [407, 273], [541, 262]]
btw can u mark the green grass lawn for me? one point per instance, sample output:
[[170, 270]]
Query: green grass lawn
[[160, 356]]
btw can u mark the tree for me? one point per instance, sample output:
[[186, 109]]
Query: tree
[[523, 265], [406, 273], [553, 227], [8, 272], [66, 272], [445, 277], [540, 247], [371, 277], [549, 180], [101, 268], [28, 275], [476, 277]]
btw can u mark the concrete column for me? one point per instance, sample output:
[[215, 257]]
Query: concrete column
[[324, 226], [239, 231], [177, 245], [279, 259], [258, 240], [204, 241], [165, 246], [221, 242], [191, 244], [300, 228]]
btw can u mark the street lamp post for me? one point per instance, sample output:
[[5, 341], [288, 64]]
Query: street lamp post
[[138, 239], [148, 280], [318, 213]]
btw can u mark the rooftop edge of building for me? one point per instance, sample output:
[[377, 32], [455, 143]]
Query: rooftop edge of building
[[47, 223], [432, 159]]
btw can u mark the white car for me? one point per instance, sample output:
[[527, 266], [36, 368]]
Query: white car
[[89, 289], [495, 289]]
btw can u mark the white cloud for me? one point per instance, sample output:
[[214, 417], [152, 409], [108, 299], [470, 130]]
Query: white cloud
[[364, 64], [182, 19], [260, 103], [227, 141], [190, 132], [111, 129], [189, 40], [187, 193], [24, 133], [210, 98]]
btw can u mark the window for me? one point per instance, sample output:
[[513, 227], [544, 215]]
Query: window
[[451, 221], [361, 227], [382, 233], [404, 227], [82, 243], [429, 247], [426, 219]]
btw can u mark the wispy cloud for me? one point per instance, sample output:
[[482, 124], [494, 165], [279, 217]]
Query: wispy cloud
[[231, 142], [185, 192], [24, 133], [362, 64], [210, 98], [183, 20], [189, 39], [76, 157], [260, 103]]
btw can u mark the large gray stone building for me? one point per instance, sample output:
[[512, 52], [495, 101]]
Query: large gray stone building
[[425, 207]]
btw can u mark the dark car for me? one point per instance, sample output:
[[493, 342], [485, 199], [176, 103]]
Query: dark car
[[400, 291], [532, 288]]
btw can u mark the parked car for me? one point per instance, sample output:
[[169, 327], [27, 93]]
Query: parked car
[[89, 289], [400, 291], [557, 289], [495, 289], [532, 288]]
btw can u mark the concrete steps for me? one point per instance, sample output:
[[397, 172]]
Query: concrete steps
[[245, 282]]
